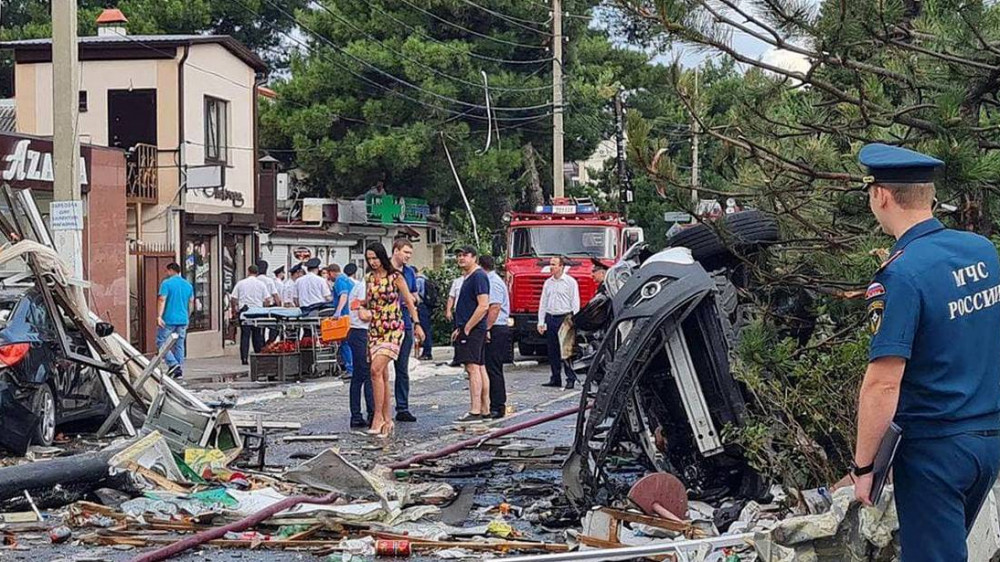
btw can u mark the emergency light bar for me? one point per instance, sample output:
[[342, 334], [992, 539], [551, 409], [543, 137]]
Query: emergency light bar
[[566, 209]]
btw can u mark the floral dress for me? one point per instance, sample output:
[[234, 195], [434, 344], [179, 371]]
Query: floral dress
[[385, 333]]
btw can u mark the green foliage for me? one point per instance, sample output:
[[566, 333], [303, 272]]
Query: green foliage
[[916, 74], [442, 277]]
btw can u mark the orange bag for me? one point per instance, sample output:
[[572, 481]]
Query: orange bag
[[334, 329]]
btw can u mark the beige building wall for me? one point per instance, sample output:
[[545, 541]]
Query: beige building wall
[[232, 82]]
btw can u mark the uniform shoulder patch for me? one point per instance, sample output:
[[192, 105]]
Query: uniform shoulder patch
[[889, 260], [875, 290], [876, 310]]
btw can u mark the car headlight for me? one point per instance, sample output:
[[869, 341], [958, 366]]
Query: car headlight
[[616, 277]]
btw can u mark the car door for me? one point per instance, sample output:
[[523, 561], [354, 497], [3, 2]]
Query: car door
[[49, 356], [82, 382]]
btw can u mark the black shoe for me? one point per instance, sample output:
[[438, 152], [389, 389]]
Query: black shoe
[[425, 358], [570, 384], [244, 363], [553, 384], [496, 415], [405, 417], [175, 372], [358, 422], [454, 363]]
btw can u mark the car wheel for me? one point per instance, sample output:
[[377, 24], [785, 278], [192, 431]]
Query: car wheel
[[44, 402], [744, 231]]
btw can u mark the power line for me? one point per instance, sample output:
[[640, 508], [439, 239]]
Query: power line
[[510, 19], [376, 84], [363, 62], [469, 31], [565, 14], [428, 67], [449, 45]]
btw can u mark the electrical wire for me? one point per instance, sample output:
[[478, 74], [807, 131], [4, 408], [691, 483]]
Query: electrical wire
[[449, 45], [511, 19], [378, 70], [565, 14], [469, 31], [418, 63], [381, 86]]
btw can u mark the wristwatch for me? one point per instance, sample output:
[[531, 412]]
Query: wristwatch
[[861, 470]]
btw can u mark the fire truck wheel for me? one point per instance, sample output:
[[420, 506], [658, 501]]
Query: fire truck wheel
[[713, 245]]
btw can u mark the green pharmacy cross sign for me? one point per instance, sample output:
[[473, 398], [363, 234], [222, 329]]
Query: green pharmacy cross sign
[[389, 209]]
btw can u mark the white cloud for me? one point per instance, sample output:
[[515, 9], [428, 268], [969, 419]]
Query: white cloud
[[786, 60]]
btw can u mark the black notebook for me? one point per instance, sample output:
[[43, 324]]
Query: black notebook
[[883, 460]]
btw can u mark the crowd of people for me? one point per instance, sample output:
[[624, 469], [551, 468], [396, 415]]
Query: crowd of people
[[390, 310]]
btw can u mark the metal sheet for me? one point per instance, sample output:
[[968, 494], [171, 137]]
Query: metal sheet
[[693, 398]]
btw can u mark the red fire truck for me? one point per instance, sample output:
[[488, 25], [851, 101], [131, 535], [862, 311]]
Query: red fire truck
[[567, 228]]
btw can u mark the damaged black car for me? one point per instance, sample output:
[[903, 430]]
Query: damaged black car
[[40, 388], [656, 352]]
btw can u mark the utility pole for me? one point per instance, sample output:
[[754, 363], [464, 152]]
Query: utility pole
[[694, 144], [625, 194], [557, 101], [67, 207]]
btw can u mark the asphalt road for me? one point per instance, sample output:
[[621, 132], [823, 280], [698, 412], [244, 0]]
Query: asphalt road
[[439, 395]]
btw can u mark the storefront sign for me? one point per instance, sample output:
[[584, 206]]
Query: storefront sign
[[389, 209], [26, 162], [223, 194]]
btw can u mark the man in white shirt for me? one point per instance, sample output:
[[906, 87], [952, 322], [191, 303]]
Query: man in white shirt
[[498, 346], [312, 290], [251, 292], [272, 290], [456, 288], [560, 298], [289, 296]]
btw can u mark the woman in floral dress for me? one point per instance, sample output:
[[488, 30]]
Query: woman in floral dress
[[384, 284]]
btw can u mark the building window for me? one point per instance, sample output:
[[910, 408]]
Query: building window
[[198, 271], [216, 130], [82, 105]]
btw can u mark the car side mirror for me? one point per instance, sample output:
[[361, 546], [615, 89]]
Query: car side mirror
[[104, 329]]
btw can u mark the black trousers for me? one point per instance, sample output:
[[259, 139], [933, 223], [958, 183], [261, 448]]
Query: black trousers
[[556, 363], [247, 333], [497, 349]]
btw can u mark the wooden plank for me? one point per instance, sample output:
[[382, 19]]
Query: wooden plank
[[658, 522], [156, 478]]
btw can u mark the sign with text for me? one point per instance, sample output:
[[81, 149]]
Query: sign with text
[[66, 215], [26, 162], [390, 209]]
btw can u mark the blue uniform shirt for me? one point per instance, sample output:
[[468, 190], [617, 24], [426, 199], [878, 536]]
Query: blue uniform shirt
[[936, 303], [177, 292], [342, 286], [499, 295], [411, 283]]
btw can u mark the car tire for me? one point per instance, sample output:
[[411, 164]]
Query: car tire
[[745, 231], [44, 402]]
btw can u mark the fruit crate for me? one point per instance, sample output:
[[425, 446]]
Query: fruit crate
[[280, 366]]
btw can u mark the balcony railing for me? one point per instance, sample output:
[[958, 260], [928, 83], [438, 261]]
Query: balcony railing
[[142, 183]]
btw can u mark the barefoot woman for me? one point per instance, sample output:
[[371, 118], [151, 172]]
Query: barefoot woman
[[384, 284]]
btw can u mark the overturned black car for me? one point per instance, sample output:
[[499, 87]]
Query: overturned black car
[[40, 388], [656, 352]]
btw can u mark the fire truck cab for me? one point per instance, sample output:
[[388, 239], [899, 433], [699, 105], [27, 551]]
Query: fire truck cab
[[576, 231]]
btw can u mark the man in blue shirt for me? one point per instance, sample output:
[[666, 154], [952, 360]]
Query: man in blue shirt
[[470, 333], [173, 307], [425, 304], [498, 344], [934, 361], [342, 285], [402, 252]]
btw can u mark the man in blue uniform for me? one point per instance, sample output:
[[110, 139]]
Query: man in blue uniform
[[934, 315]]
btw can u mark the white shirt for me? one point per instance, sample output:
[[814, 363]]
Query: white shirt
[[251, 292], [272, 287], [559, 296], [288, 293], [456, 288], [357, 294], [499, 295], [312, 290]]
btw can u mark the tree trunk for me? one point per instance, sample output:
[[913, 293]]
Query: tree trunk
[[533, 195]]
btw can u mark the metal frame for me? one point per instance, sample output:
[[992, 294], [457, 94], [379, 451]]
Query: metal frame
[[681, 366]]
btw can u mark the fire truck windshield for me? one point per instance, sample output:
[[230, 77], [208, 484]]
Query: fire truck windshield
[[562, 240]]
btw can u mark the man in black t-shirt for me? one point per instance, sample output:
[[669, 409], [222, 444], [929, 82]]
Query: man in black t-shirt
[[470, 333]]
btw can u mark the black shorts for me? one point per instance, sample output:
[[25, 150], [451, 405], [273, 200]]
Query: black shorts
[[471, 348]]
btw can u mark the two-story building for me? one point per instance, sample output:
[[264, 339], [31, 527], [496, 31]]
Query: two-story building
[[184, 107]]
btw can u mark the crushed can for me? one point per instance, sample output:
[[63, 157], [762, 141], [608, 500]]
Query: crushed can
[[60, 534], [392, 548]]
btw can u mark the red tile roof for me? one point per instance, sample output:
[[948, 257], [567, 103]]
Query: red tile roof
[[111, 15]]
